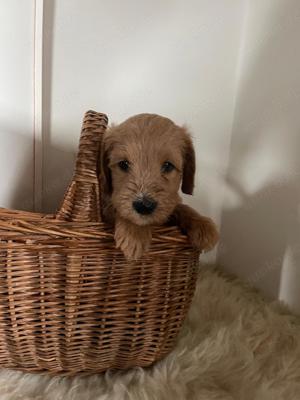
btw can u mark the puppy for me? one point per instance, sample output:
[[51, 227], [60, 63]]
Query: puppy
[[145, 160]]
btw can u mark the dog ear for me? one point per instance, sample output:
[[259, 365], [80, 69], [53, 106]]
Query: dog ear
[[189, 166], [105, 172]]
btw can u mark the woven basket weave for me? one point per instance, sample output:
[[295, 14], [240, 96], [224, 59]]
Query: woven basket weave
[[69, 301]]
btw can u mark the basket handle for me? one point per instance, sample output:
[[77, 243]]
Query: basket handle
[[82, 199]]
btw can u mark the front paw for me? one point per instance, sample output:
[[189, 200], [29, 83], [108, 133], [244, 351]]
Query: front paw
[[203, 234], [133, 241], [132, 249]]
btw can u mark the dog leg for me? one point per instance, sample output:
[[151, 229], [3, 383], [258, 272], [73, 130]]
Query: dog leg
[[201, 231], [133, 240]]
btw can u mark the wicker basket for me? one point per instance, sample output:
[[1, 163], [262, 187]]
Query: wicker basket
[[69, 301]]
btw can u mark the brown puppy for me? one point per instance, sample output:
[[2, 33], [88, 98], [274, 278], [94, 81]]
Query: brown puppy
[[145, 159]]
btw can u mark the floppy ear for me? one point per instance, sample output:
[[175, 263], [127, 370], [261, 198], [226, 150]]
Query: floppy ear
[[189, 166], [105, 172]]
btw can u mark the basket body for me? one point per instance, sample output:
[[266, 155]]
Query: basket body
[[69, 301]]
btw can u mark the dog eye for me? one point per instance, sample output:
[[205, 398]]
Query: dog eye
[[123, 165], [167, 167]]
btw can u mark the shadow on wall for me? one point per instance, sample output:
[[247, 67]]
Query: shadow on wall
[[19, 190], [255, 236], [16, 175], [260, 238], [59, 175]]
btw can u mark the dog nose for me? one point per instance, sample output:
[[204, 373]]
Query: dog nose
[[145, 205]]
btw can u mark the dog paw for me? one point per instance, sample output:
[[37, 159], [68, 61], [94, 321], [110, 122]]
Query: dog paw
[[133, 241], [203, 234], [132, 249]]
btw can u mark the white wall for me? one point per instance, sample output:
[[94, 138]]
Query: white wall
[[260, 222], [16, 103]]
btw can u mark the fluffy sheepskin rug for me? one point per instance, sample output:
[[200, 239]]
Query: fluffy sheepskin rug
[[234, 345]]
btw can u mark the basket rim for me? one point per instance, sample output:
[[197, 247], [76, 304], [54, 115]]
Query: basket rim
[[47, 224]]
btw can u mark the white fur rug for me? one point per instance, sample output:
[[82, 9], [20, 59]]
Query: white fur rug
[[234, 346]]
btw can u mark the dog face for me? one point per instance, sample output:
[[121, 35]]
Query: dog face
[[144, 161]]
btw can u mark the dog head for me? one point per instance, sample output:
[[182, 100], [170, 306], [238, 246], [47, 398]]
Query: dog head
[[144, 161]]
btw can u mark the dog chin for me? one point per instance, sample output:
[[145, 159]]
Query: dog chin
[[145, 220], [141, 220]]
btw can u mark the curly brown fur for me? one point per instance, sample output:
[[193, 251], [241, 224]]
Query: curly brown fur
[[141, 190]]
